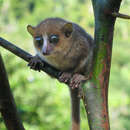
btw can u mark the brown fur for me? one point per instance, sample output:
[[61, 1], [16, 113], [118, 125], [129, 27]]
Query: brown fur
[[70, 53], [73, 53]]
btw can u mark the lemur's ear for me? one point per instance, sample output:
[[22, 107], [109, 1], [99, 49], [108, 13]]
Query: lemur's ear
[[31, 29], [67, 29]]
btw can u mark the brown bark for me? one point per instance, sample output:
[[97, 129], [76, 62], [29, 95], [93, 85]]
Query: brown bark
[[95, 91]]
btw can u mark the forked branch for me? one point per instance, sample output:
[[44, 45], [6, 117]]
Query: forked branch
[[119, 15]]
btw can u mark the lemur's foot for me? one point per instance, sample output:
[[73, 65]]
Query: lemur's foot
[[65, 77], [76, 80], [35, 63]]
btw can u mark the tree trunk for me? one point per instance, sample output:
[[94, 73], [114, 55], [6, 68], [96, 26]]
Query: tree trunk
[[95, 91]]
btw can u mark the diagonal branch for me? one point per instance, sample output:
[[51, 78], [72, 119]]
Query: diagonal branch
[[26, 56], [119, 15], [51, 71]]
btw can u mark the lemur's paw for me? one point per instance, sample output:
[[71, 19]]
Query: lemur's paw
[[65, 77], [35, 63], [76, 80]]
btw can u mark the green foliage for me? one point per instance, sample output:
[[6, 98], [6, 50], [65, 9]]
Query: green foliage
[[17, 6], [42, 102], [1, 2]]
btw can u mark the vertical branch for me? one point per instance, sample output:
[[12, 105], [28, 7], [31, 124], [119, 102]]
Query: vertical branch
[[75, 109], [96, 90], [7, 104]]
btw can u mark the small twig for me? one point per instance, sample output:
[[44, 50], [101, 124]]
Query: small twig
[[7, 104], [26, 56], [119, 15]]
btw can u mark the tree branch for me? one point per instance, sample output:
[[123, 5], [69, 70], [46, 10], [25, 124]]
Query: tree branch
[[119, 15], [7, 104], [26, 56], [51, 71]]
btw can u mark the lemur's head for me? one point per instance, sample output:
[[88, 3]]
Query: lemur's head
[[51, 35]]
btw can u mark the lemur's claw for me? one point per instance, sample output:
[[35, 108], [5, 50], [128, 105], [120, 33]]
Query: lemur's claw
[[35, 63], [65, 77], [76, 80]]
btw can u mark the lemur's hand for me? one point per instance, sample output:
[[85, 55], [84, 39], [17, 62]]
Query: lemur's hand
[[35, 63]]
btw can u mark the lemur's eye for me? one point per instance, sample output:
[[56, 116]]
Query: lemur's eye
[[39, 41], [54, 39]]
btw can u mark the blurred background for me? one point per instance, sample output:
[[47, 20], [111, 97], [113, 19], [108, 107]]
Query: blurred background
[[42, 102]]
